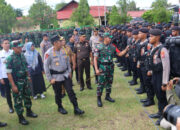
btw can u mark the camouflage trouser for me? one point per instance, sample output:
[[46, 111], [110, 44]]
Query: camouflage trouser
[[23, 94], [105, 79]]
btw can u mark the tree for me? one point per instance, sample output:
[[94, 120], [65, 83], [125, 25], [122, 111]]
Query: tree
[[42, 14], [114, 17], [81, 15], [159, 4], [162, 15], [59, 6], [131, 6], [148, 16], [18, 12], [123, 11], [7, 17]]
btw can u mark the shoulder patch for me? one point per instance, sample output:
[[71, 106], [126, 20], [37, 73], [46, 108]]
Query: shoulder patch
[[162, 54]]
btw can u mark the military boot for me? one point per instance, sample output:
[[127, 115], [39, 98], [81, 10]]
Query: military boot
[[99, 102], [3, 124], [22, 120], [77, 111], [31, 114], [108, 98]]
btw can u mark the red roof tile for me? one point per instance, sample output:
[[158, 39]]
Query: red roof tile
[[136, 13]]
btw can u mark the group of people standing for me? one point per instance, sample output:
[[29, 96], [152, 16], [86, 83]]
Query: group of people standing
[[138, 48]]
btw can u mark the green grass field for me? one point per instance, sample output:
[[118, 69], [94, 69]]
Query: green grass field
[[125, 114]]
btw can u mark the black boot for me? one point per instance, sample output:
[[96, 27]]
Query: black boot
[[156, 115], [62, 110], [82, 88], [108, 98], [150, 102], [3, 124], [127, 74], [77, 111], [141, 91], [99, 102], [124, 69], [22, 120], [134, 82], [31, 114], [89, 87], [130, 81]]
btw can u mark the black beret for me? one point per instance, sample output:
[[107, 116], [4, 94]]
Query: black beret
[[176, 28], [129, 29], [159, 26], [76, 30], [54, 38], [45, 35], [144, 30], [135, 32], [155, 32], [81, 33], [96, 29]]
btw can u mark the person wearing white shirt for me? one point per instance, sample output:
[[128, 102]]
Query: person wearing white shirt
[[4, 53]]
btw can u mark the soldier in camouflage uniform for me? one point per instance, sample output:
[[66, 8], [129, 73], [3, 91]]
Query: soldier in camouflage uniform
[[103, 57], [17, 72]]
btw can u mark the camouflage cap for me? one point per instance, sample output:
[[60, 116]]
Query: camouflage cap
[[108, 35], [16, 43]]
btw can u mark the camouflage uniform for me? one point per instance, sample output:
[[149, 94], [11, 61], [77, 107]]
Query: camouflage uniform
[[17, 66], [105, 54]]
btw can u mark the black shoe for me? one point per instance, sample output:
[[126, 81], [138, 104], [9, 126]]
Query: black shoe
[[78, 111], [149, 103], [159, 121], [144, 100], [124, 69], [133, 83], [31, 114], [130, 81], [3, 124], [118, 65], [156, 115], [99, 102], [22, 120], [62, 110], [140, 91], [116, 61], [127, 74], [137, 89], [89, 87], [82, 88], [108, 98], [11, 110]]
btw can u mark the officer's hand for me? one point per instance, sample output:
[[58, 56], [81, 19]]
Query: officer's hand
[[98, 72], [127, 48], [2, 82], [170, 85], [70, 75], [92, 63], [138, 66], [178, 124], [149, 73], [176, 79], [74, 67], [29, 78], [15, 89], [164, 88], [53, 81]]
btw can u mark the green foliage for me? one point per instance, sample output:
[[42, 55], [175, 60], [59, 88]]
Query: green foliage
[[159, 13], [7, 17], [81, 15], [114, 16], [18, 12], [25, 22], [68, 24], [148, 16], [59, 6], [123, 5], [131, 6], [42, 14]]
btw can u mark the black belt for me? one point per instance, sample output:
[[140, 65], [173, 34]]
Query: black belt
[[84, 59], [57, 72], [106, 63]]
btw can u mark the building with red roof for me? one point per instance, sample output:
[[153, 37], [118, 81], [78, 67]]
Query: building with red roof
[[64, 14]]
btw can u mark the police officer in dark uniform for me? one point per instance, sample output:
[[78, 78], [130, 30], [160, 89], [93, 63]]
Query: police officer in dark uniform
[[133, 49], [160, 65], [83, 52]]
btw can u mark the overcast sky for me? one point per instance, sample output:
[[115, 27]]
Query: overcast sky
[[25, 5]]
